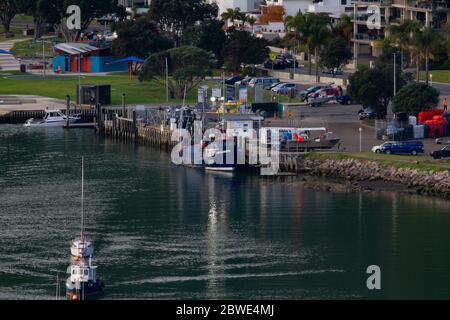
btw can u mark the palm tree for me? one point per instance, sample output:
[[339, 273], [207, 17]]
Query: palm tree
[[319, 33], [344, 27], [298, 29], [251, 21], [402, 35], [231, 15], [425, 40]]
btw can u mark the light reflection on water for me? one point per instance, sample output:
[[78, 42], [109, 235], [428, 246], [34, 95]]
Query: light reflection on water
[[168, 232]]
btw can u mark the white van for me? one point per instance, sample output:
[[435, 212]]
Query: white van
[[266, 82]]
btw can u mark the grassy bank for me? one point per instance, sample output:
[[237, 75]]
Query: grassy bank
[[148, 92], [29, 49], [421, 163], [438, 75], [59, 87]]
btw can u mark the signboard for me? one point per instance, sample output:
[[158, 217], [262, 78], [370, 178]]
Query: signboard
[[217, 92], [259, 93], [202, 94], [243, 94], [231, 93]]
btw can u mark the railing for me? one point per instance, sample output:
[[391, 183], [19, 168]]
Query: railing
[[379, 2], [362, 36]]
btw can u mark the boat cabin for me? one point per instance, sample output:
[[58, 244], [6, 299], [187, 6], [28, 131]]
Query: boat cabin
[[82, 273]]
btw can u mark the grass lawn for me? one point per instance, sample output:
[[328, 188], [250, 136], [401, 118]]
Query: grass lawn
[[421, 163], [59, 87], [438, 75], [31, 49], [17, 34], [137, 93]]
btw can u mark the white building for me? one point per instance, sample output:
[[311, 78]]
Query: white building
[[244, 5], [334, 7], [291, 7]]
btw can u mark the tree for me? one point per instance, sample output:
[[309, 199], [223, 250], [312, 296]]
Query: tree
[[319, 33], [375, 87], [313, 30], [8, 10], [414, 98], [208, 35], [425, 40], [41, 16], [139, 38], [335, 53], [90, 10], [298, 27], [188, 66], [402, 35], [242, 47], [174, 16], [344, 27]]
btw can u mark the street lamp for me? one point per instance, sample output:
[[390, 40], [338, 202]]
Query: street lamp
[[395, 77], [360, 139], [431, 79]]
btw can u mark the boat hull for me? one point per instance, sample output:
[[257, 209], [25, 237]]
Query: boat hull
[[44, 124], [84, 290], [311, 145]]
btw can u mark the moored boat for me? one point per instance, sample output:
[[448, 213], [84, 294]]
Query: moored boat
[[52, 118]]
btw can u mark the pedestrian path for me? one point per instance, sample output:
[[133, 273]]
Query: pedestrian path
[[7, 61]]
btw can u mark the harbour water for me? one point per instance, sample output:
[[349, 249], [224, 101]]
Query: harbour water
[[167, 232]]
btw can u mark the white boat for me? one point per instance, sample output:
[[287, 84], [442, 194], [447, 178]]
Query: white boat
[[52, 118], [83, 282], [82, 247]]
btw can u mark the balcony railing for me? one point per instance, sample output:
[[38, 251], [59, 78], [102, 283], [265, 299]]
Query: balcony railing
[[376, 2], [367, 37]]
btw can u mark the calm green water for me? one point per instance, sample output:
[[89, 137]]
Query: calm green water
[[166, 232]]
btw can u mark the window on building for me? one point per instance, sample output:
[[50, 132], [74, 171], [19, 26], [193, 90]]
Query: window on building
[[344, 2]]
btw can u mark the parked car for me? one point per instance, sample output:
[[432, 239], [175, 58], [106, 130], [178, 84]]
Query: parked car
[[400, 147], [443, 153], [325, 92], [277, 64], [345, 99], [266, 82], [276, 84], [443, 140], [334, 71], [367, 113], [284, 88], [304, 94], [243, 82], [231, 81]]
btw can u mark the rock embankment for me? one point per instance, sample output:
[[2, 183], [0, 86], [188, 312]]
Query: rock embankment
[[353, 170]]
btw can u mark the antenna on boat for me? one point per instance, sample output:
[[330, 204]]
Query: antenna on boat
[[57, 285], [82, 196]]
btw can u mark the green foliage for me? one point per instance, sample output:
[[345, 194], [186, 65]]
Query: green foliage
[[335, 53], [415, 97], [139, 38], [375, 87], [188, 66], [8, 10], [174, 16], [244, 48], [208, 35]]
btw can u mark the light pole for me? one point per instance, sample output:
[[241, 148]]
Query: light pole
[[395, 76], [360, 139], [431, 79]]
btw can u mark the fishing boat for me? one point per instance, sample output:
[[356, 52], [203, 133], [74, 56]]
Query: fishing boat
[[83, 282], [52, 118]]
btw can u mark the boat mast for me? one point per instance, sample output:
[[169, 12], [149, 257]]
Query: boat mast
[[82, 196]]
